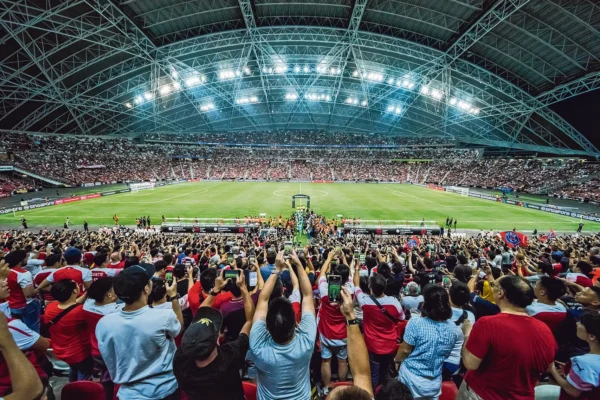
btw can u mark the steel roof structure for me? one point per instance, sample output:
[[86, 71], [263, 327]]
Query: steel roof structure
[[482, 71]]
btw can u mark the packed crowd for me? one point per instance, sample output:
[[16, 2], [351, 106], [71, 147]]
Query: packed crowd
[[77, 161], [205, 315], [301, 137], [14, 184]]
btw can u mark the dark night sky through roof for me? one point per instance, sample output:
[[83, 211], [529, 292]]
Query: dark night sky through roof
[[583, 112]]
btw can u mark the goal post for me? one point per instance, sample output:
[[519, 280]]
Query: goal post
[[463, 191], [136, 187]]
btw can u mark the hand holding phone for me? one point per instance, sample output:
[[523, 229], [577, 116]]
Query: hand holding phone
[[231, 274], [169, 277], [334, 288]]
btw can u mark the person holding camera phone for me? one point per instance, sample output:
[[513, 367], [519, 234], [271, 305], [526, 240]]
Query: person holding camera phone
[[332, 325], [280, 348], [203, 368]]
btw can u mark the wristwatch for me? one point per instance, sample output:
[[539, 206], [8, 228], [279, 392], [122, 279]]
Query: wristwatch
[[213, 293], [176, 297], [352, 322]]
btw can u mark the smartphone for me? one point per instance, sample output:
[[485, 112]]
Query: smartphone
[[338, 249], [231, 274], [373, 246], [253, 279], [169, 277], [252, 258], [446, 283], [230, 258], [362, 258], [301, 253], [356, 254], [335, 287], [287, 249]]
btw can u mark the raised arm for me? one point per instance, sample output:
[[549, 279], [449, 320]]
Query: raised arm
[[327, 263], [248, 304], [358, 356], [308, 305], [172, 293], [410, 266]]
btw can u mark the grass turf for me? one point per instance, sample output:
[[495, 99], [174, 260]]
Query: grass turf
[[233, 199]]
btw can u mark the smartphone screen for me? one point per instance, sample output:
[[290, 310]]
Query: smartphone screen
[[231, 274], [287, 249], [253, 279], [335, 287], [229, 258], [252, 259], [446, 283], [169, 277], [356, 254], [362, 258], [373, 246]]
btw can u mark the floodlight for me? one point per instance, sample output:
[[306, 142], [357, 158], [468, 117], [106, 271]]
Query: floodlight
[[247, 71], [390, 81], [453, 101], [128, 105], [176, 85], [253, 99], [328, 98], [138, 100], [355, 73], [390, 108], [463, 105], [306, 69], [436, 94], [425, 90], [398, 110], [364, 103], [174, 74], [297, 69], [148, 96], [165, 89]]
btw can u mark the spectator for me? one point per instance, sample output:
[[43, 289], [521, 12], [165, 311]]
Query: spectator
[[428, 342], [203, 288], [69, 330], [499, 368], [73, 271], [332, 326], [546, 308], [101, 301], [26, 383], [280, 350], [151, 333], [459, 301], [205, 370], [381, 314], [22, 300], [412, 298]]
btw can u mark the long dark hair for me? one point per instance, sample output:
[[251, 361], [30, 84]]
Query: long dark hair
[[436, 305]]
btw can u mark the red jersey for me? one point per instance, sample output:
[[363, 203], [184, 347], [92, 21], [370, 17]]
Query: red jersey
[[380, 331], [70, 336], [39, 278], [98, 273], [74, 273], [18, 278], [332, 323], [119, 265], [551, 315], [196, 297], [510, 368], [93, 313]]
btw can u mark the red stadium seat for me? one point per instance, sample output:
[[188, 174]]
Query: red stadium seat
[[249, 390], [82, 390], [449, 391]]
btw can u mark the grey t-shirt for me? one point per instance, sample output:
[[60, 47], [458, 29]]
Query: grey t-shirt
[[138, 350], [283, 370]]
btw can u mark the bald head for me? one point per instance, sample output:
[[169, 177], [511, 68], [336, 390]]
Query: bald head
[[349, 393], [115, 257]]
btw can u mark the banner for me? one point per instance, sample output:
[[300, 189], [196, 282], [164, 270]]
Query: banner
[[110, 193], [436, 187], [211, 229], [95, 166], [3, 195], [29, 207], [391, 231], [76, 198], [514, 239]]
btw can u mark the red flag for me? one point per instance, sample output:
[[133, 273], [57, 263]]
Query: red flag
[[414, 241], [514, 239]]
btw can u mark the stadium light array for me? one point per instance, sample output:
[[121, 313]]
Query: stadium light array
[[195, 80], [165, 89], [138, 100], [226, 74], [148, 96], [247, 100], [394, 109], [291, 96], [369, 76], [306, 69], [317, 97], [464, 106], [354, 102], [207, 107]]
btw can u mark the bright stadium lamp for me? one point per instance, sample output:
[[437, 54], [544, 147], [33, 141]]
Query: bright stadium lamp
[[148, 96], [165, 89], [364, 103], [176, 85], [425, 90], [128, 105], [390, 81], [306, 69], [297, 69], [390, 108], [453, 101], [436, 94], [398, 110], [247, 71], [253, 99], [138, 100]]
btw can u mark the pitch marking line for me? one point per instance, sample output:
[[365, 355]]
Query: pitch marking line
[[419, 198], [203, 190]]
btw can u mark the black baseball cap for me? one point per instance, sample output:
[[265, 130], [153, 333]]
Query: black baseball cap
[[131, 281], [200, 338]]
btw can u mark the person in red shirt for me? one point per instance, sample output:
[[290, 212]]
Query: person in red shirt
[[500, 367], [22, 300], [115, 261], [70, 334], [546, 308], [53, 262], [203, 287], [73, 271], [101, 301]]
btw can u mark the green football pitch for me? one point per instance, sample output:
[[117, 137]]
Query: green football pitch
[[236, 199]]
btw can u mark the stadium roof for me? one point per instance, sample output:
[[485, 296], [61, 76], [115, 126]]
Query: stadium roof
[[481, 71]]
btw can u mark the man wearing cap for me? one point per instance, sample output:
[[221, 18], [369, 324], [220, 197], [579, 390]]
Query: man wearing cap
[[270, 267], [137, 343], [205, 370], [73, 271]]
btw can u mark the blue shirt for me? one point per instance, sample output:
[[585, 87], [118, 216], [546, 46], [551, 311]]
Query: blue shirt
[[180, 257], [283, 370], [137, 346], [266, 271], [433, 342]]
